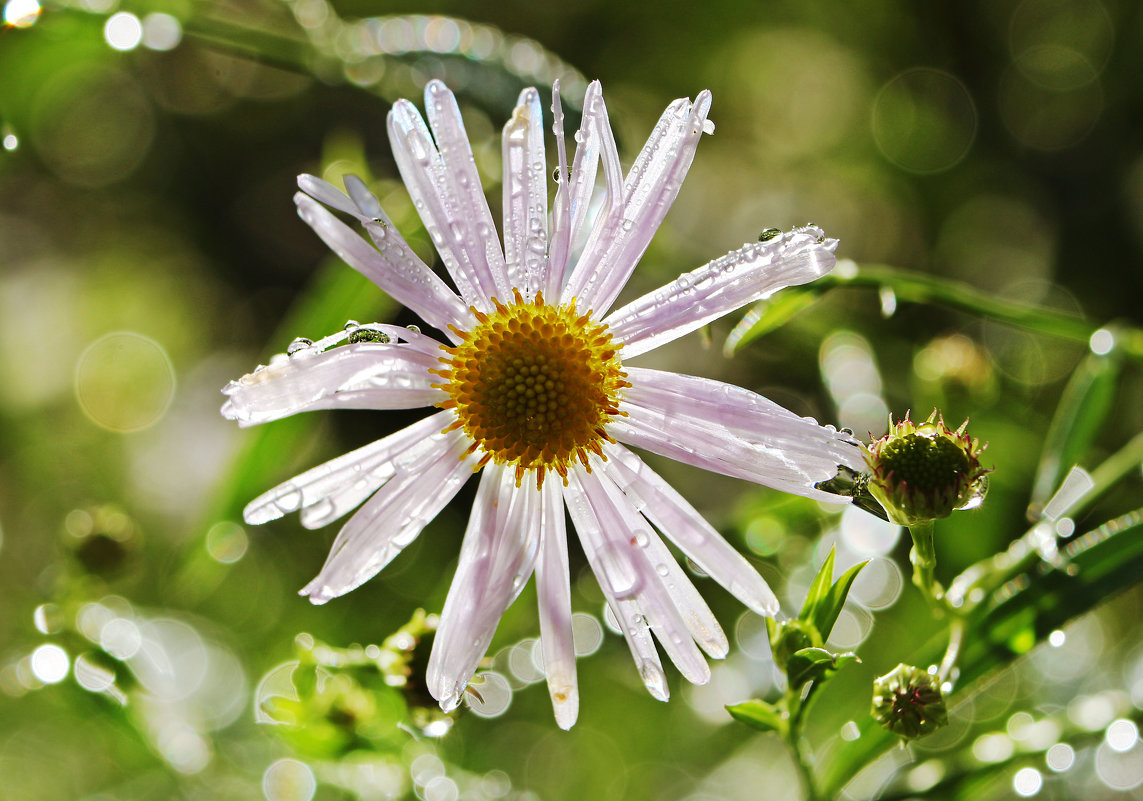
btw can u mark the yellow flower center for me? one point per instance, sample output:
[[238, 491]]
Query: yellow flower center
[[533, 385]]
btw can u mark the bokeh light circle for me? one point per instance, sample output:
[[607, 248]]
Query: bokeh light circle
[[124, 381], [50, 664], [924, 120], [123, 31], [289, 780]]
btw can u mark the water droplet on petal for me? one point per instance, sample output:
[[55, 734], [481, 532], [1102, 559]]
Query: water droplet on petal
[[299, 344], [768, 234]]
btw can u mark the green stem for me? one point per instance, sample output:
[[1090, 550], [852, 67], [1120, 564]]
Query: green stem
[[923, 556]]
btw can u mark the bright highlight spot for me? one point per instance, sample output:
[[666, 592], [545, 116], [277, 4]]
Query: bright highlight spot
[[50, 664], [1027, 782], [20, 14], [123, 31], [289, 780], [1057, 638], [11, 142], [1101, 342], [1122, 735], [161, 32]]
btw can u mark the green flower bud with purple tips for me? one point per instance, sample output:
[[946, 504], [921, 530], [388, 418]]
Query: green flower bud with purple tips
[[923, 472], [908, 701]]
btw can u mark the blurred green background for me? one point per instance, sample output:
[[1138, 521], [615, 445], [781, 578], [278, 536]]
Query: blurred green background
[[149, 252]]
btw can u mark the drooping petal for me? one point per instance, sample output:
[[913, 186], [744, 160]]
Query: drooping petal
[[617, 583], [621, 237], [364, 375], [496, 561], [751, 273], [326, 492], [553, 589], [397, 270], [730, 430], [426, 476], [689, 530], [525, 197], [620, 557]]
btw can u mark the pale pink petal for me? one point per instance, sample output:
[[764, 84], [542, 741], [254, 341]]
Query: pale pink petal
[[328, 491], [751, 273], [727, 429], [688, 530], [525, 196], [398, 272], [553, 590], [617, 582], [625, 557], [621, 237], [496, 561], [559, 247], [426, 476], [574, 190], [363, 375]]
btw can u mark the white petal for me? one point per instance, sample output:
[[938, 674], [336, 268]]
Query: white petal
[[553, 589], [496, 561], [622, 561], [426, 476], [396, 270], [621, 237], [574, 191], [326, 492], [751, 273], [559, 246], [731, 430], [625, 606], [526, 197], [364, 375], [688, 530]]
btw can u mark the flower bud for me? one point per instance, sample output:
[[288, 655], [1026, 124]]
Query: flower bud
[[924, 472], [908, 701]]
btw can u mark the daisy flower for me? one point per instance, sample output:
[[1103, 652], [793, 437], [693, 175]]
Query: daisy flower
[[534, 390]]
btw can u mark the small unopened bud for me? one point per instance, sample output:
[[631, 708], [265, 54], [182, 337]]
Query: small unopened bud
[[924, 472], [908, 701]]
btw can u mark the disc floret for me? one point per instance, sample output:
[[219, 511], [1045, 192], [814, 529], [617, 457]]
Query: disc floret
[[534, 385]]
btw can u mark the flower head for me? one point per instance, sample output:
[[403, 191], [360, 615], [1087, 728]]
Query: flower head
[[535, 390], [925, 472], [908, 701]]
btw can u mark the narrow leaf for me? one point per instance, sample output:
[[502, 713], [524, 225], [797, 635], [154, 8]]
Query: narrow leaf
[[814, 664], [764, 317], [759, 715], [830, 604], [1079, 417], [818, 588]]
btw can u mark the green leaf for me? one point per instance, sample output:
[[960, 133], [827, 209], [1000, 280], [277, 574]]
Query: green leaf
[[830, 604], [283, 710], [1080, 415], [759, 715], [766, 316], [818, 589], [814, 664]]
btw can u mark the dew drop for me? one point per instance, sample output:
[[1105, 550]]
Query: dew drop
[[768, 234], [288, 499], [298, 345]]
